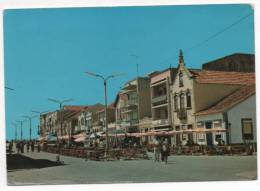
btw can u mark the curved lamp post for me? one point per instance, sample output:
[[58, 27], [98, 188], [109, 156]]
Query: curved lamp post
[[39, 113], [105, 79], [60, 102], [30, 123]]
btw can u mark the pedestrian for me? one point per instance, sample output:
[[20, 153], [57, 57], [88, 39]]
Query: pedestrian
[[165, 151], [18, 147], [22, 147], [32, 146], [10, 147], [156, 151], [28, 146], [39, 147]]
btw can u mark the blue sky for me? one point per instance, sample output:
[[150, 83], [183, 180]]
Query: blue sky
[[47, 51]]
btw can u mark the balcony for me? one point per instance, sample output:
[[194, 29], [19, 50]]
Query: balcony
[[160, 122], [128, 123], [132, 102], [162, 98], [182, 114]]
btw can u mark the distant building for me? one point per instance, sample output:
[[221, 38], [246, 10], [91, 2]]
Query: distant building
[[85, 117], [110, 118], [160, 99], [233, 63], [133, 103], [48, 123]]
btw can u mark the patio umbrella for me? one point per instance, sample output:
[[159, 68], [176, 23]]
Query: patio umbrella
[[79, 135], [218, 129], [42, 138], [80, 139]]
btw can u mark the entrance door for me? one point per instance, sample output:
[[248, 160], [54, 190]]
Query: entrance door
[[178, 136], [190, 136], [208, 125]]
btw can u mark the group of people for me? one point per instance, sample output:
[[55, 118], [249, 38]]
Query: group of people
[[161, 150], [30, 145]]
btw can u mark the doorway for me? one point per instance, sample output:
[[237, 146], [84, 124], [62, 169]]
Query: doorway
[[208, 125]]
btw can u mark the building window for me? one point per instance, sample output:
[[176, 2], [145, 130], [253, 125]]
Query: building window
[[217, 124], [247, 129], [188, 99], [82, 121], [183, 127], [180, 79], [175, 102], [181, 101], [189, 126]]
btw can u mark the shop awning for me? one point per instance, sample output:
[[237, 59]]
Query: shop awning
[[42, 138], [51, 138]]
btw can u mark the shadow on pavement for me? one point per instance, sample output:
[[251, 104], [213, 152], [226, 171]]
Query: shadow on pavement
[[19, 162]]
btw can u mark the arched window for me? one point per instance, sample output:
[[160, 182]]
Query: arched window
[[175, 102], [82, 121], [180, 79], [182, 100], [188, 99]]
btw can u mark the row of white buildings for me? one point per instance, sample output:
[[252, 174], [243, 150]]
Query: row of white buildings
[[186, 106]]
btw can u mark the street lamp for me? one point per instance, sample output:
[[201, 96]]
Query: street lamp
[[30, 120], [21, 123], [40, 113], [8, 88], [15, 130], [60, 102], [105, 79]]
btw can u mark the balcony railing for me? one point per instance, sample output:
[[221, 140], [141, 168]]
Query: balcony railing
[[160, 122], [182, 114], [159, 99], [132, 102], [128, 123]]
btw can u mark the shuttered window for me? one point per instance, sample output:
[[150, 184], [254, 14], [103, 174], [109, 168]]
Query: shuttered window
[[247, 129]]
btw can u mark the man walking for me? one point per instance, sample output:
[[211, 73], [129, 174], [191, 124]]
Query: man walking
[[165, 151], [22, 146], [38, 147], [156, 151], [32, 146], [27, 146]]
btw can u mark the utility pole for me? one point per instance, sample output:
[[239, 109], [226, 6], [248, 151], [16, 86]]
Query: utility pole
[[15, 131], [60, 102], [40, 114], [137, 84], [30, 123], [105, 79], [21, 123]]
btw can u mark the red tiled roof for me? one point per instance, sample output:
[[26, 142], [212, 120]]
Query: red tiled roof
[[220, 77], [231, 100], [75, 107], [95, 107], [108, 107]]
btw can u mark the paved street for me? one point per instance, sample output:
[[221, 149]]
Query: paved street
[[180, 168]]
